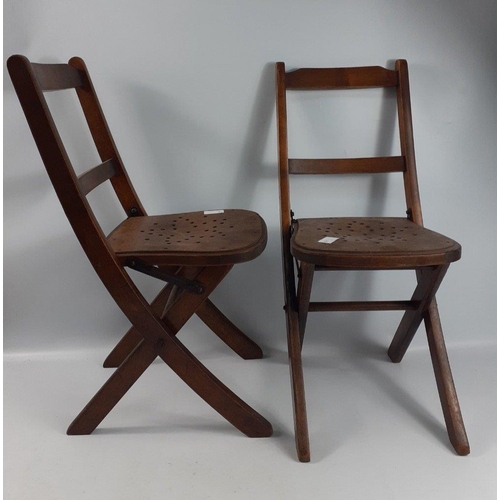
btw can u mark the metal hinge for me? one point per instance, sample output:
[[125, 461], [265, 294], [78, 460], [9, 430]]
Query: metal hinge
[[191, 286], [293, 221], [291, 232]]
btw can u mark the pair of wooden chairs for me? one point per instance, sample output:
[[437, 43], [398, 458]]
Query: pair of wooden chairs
[[192, 252]]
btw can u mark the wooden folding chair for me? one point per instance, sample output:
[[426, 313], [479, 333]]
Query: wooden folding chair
[[362, 243], [192, 252]]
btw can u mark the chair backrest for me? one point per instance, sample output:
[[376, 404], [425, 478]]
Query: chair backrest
[[347, 78], [30, 81]]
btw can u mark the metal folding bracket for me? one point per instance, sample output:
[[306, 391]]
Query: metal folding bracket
[[191, 286]]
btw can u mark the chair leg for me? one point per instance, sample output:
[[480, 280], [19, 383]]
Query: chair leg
[[304, 295], [159, 305], [227, 331], [429, 280], [208, 313], [132, 338], [298, 390], [444, 380], [182, 362], [113, 390]]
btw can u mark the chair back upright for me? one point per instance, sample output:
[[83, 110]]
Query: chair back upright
[[31, 81], [347, 78]]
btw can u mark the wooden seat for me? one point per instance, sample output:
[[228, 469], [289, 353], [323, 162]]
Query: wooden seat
[[362, 243], [191, 252], [193, 238], [368, 241]]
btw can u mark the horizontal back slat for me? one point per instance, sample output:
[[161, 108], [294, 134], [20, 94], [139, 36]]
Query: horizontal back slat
[[380, 164], [96, 176], [57, 76], [340, 78]]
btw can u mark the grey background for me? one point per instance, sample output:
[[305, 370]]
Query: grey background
[[188, 90]]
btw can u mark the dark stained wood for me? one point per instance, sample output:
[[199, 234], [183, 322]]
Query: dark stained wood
[[371, 242], [228, 332], [191, 238], [382, 164], [426, 288], [57, 76], [105, 143], [225, 329], [160, 306], [407, 145], [133, 337], [94, 177], [158, 333], [444, 379], [304, 289], [242, 416], [363, 242], [291, 308], [298, 386], [340, 78], [373, 305]]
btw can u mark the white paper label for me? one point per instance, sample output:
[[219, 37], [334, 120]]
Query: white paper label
[[212, 212], [328, 239]]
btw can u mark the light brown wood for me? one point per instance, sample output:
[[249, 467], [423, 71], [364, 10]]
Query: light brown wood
[[362, 243], [383, 164]]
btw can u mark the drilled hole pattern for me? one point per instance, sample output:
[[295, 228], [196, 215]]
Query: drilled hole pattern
[[368, 235], [189, 232]]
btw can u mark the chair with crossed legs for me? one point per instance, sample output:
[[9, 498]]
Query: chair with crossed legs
[[192, 252], [362, 243]]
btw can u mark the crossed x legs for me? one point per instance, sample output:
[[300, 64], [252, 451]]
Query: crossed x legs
[[182, 362], [429, 280], [206, 311]]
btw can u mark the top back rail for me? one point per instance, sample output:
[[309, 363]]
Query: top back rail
[[340, 78], [74, 75], [349, 78]]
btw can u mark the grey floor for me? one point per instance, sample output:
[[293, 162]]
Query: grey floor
[[376, 429]]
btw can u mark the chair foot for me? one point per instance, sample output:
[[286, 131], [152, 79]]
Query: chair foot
[[298, 390], [160, 340], [428, 283], [444, 380], [229, 333]]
